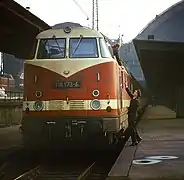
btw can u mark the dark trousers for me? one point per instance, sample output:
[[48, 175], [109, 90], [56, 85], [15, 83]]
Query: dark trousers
[[132, 130]]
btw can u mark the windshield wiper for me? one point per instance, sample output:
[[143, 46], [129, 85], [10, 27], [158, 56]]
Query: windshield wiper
[[77, 46], [61, 49]]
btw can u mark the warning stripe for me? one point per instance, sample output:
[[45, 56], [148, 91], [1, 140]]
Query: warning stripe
[[75, 104]]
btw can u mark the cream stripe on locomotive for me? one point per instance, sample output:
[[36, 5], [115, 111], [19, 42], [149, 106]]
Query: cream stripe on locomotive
[[67, 65], [74, 104]]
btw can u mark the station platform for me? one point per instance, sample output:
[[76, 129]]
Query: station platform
[[163, 139]]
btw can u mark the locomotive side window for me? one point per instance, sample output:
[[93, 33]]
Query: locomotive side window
[[51, 48], [83, 48], [111, 51], [105, 51]]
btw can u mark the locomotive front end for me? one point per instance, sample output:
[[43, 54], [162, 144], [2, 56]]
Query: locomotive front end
[[70, 89]]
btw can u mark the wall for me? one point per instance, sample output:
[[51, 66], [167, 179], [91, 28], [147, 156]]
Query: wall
[[10, 113]]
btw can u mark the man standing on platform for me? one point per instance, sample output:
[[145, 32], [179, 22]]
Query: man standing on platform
[[132, 113]]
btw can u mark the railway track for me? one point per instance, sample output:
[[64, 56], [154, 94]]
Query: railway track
[[16, 163], [72, 167], [55, 173]]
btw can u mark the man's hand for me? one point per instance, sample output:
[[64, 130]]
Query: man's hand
[[126, 84]]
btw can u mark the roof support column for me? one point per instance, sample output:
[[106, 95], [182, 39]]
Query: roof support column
[[180, 101]]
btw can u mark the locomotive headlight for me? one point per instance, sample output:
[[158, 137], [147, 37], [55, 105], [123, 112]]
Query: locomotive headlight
[[95, 104], [38, 105], [95, 92]]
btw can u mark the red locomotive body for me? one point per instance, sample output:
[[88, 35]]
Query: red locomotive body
[[73, 92]]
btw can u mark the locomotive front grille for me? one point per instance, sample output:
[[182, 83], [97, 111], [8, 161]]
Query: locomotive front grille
[[77, 105], [56, 105]]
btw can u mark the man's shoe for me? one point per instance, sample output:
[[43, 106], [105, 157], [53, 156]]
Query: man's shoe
[[139, 139], [134, 144]]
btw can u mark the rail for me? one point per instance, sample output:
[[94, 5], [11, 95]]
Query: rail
[[86, 173], [33, 174]]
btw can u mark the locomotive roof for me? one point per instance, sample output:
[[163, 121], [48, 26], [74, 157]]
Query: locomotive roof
[[75, 32]]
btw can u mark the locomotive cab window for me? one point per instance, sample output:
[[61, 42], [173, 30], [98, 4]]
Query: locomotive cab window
[[51, 48], [83, 48], [105, 51]]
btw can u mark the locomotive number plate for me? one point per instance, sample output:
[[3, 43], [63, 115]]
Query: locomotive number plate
[[67, 84]]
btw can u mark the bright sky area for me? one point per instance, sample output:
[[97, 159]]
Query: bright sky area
[[127, 17]]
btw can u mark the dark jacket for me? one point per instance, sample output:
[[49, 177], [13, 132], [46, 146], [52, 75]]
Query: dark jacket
[[116, 54], [134, 104]]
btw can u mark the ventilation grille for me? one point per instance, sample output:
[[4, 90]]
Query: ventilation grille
[[77, 105], [56, 105]]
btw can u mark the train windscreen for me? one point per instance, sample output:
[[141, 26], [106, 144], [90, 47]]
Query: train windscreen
[[51, 48], [83, 48]]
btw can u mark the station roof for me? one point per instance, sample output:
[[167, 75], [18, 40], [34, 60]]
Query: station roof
[[167, 26], [18, 29], [162, 62], [160, 48]]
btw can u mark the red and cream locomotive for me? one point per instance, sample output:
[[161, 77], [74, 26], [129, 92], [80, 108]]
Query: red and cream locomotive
[[73, 90]]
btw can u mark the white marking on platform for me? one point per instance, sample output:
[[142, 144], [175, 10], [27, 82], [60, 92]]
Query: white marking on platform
[[146, 161], [161, 157]]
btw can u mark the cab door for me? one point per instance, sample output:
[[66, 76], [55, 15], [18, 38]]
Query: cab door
[[121, 90]]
